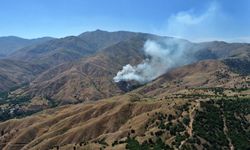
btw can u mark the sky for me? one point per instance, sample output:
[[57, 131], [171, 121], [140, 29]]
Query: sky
[[195, 20]]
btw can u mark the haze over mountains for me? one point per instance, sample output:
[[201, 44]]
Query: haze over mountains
[[44, 73], [10, 44]]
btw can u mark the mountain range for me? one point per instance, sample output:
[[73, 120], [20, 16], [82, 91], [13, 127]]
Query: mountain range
[[10, 44], [63, 92]]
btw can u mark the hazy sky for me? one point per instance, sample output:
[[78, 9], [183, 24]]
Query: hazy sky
[[196, 20]]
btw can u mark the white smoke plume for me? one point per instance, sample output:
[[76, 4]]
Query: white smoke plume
[[161, 56]]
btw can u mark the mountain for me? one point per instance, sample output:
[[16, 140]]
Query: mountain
[[88, 75], [102, 39], [222, 50], [57, 51], [88, 78], [10, 44], [66, 97], [54, 52], [70, 48], [61, 81]]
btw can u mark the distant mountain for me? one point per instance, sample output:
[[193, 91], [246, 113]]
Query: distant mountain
[[71, 48], [54, 52], [102, 39], [220, 49], [10, 44]]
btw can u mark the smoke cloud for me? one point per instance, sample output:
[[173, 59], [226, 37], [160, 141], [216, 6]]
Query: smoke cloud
[[160, 57]]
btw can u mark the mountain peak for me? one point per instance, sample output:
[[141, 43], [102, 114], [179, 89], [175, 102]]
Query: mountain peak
[[99, 30]]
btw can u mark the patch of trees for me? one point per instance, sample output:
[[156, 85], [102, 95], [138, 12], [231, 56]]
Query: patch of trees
[[208, 124], [238, 126], [240, 66]]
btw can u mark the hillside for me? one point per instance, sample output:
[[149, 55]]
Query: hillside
[[15, 73], [57, 51], [203, 74], [197, 118], [87, 79], [60, 81], [100, 39], [11, 44]]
